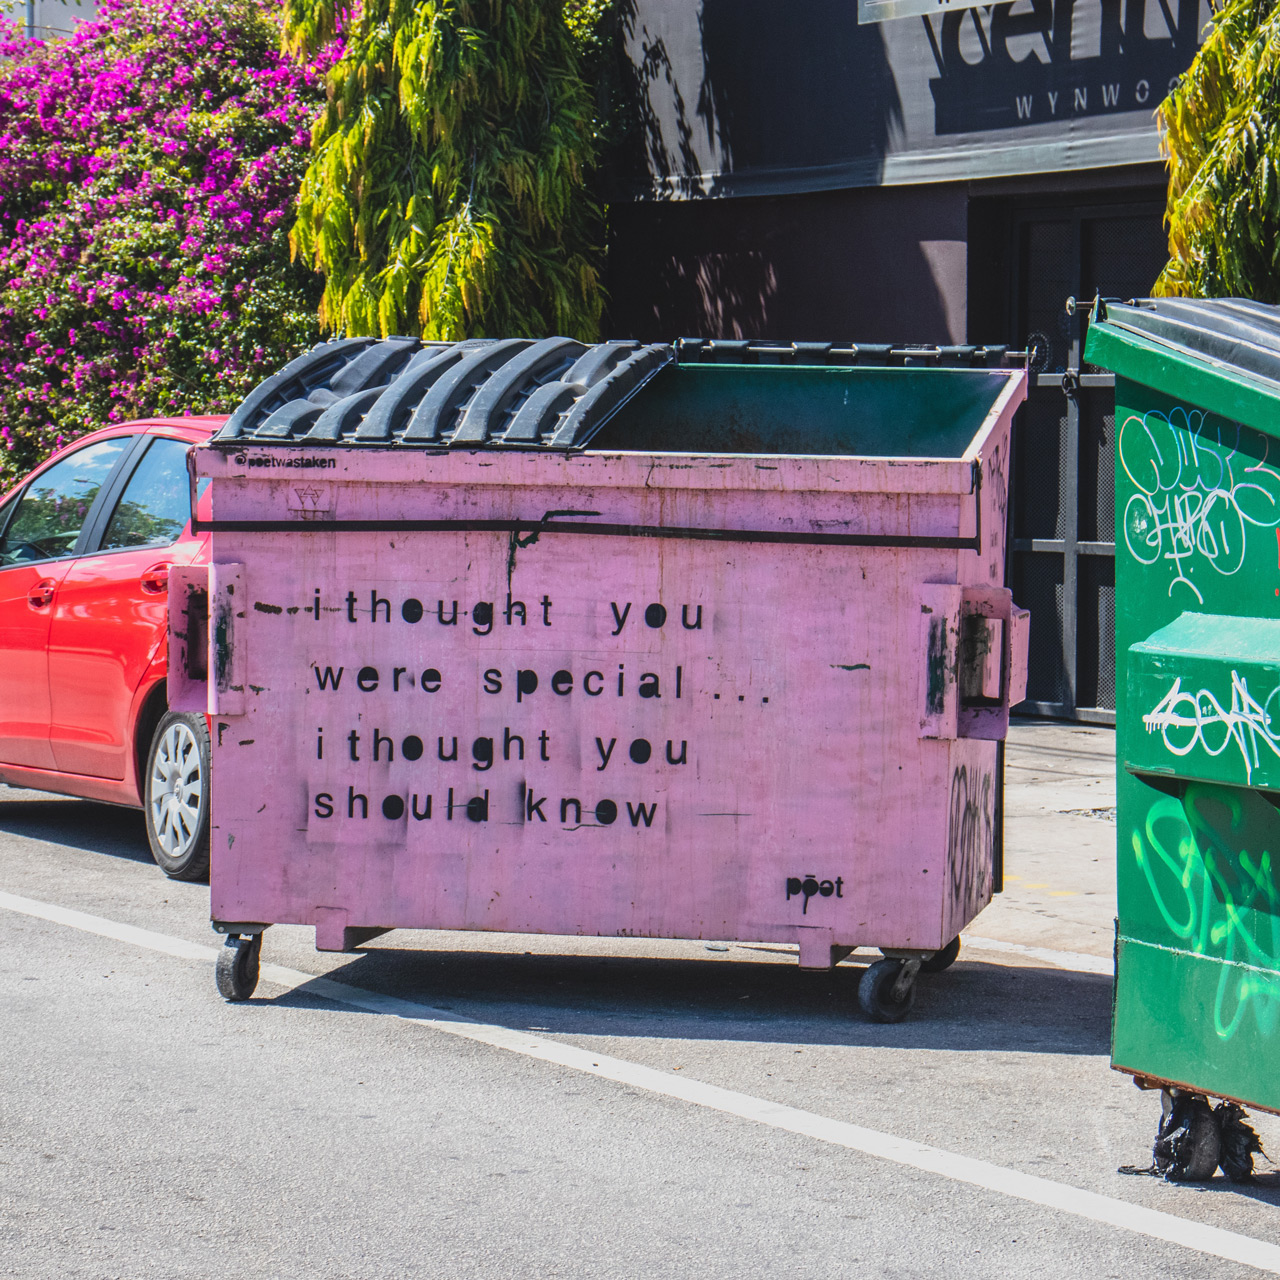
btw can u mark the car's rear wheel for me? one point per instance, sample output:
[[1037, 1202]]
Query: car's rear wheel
[[177, 796]]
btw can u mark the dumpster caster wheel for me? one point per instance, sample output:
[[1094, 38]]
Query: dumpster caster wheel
[[943, 959], [237, 972], [888, 990]]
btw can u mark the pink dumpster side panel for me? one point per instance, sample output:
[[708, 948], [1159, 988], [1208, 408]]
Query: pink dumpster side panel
[[993, 502], [301, 469], [584, 734], [778, 742]]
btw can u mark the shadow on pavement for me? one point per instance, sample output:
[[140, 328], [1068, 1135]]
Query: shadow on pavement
[[972, 1007], [80, 824], [1265, 1187]]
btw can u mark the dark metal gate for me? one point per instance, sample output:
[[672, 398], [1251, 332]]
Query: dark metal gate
[[1062, 548]]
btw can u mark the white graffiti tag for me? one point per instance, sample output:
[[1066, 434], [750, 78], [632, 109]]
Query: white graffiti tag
[[1202, 485], [1189, 720]]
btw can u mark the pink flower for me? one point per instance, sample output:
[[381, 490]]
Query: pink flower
[[149, 155]]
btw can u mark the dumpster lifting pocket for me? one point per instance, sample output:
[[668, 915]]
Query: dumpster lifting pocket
[[973, 646], [188, 674], [206, 662]]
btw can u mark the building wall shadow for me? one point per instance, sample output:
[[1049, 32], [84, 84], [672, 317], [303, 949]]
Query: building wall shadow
[[870, 264], [731, 112]]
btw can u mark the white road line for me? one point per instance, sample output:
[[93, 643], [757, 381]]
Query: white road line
[[1076, 960], [915, 1155], [108, 928]]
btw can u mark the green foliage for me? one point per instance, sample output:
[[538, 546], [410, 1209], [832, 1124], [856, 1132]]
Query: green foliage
[[589, 23], [1221, 132], [595, 26], [447, 192]]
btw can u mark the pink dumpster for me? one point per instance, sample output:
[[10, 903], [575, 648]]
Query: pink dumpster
[[537, 637]]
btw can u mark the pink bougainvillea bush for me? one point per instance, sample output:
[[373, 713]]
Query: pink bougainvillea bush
[[149, 167]]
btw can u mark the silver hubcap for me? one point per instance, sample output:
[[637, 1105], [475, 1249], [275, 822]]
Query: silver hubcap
[[175, 789]]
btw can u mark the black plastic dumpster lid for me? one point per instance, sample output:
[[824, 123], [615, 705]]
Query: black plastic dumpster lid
[[1234, 332], [552, 393]]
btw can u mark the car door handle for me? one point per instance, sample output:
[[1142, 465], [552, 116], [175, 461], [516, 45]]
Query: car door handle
[[40, 595], [155, 580]]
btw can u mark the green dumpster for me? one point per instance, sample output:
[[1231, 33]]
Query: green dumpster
[[1197, 428]]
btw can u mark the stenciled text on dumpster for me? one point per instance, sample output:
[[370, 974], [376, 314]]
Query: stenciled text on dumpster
[[517, 687]]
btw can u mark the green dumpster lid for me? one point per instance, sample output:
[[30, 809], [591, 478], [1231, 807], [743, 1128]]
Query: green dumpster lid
[[1220, 354], [1232, 332]]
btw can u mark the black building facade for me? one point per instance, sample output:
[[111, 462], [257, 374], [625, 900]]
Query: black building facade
[[916, 171]]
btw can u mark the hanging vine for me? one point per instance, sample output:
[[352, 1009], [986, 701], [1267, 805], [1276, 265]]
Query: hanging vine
[[447, 193]]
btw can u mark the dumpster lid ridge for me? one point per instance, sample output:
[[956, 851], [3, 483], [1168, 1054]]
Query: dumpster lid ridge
[[1236, 333], [522, 393], [855, 354]]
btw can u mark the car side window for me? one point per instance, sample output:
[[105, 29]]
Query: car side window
[[52, 510], [156, 503]]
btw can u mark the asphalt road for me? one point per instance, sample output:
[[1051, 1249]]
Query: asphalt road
[[613, 1108]]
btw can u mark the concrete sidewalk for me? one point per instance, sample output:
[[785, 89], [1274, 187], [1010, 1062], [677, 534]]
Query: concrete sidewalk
[[1059, 839]]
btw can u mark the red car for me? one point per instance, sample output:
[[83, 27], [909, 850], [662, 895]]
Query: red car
[[86, 542]]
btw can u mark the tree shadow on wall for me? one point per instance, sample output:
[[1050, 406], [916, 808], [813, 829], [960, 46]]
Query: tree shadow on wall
[[789, 90], [718, 293], [775, 97], [734, 98]]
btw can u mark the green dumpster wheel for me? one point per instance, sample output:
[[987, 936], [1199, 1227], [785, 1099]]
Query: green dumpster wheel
[[876, 996], [237, 971], [943, 959]]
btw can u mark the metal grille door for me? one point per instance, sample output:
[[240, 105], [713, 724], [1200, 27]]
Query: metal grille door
[[1062, 547]]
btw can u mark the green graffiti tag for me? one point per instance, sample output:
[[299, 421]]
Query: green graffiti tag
[[1208, 862]]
